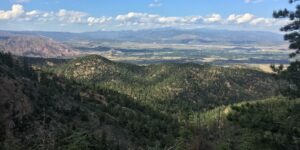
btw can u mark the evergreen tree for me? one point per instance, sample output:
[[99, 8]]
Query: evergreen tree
[[292, 74]]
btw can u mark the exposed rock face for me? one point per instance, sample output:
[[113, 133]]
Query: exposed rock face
[[34, 46]]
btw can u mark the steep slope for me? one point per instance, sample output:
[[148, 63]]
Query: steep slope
[[34, 46], [171, 88], [43, 111]]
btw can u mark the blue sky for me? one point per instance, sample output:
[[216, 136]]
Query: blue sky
[[90, 15]]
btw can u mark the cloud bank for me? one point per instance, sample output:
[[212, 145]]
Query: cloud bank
[[135, 20]]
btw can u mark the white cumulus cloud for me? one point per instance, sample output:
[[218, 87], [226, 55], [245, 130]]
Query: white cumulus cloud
[[134, 18], [239, 19], [262, 21], [213, 18], [101, 20], [70, 16], [16, 11]]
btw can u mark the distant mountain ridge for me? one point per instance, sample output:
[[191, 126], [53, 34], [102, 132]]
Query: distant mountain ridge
[[34, 45], [167, 35], [189, 36]]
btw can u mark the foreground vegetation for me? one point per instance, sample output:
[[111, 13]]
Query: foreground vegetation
[[264, 124]]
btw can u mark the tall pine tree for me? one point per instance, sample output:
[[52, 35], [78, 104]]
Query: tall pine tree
[[292, 29]]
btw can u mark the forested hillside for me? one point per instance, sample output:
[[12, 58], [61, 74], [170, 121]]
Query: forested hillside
[[176, 89], [42, 111], [94, 103]]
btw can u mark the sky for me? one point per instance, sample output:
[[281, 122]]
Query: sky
[[93, 15]]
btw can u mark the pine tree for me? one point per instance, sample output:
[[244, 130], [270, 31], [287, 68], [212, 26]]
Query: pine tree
[[292, 74]]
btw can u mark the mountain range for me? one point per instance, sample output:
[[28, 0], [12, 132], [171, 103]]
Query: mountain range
[[167, 35], [34, 46], [61, 44]]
